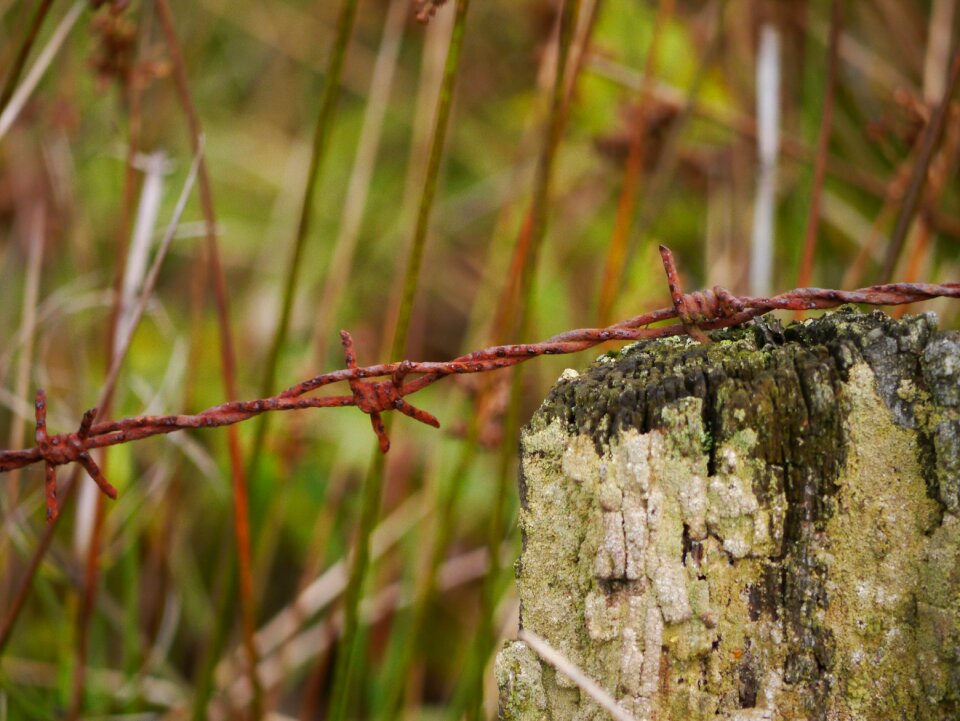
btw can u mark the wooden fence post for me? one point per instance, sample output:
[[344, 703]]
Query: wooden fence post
[[766, 527]]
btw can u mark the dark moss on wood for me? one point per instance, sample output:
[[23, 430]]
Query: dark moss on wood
[[750, 367]]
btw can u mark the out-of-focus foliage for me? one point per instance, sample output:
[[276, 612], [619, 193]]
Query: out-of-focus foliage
[[256, 71]]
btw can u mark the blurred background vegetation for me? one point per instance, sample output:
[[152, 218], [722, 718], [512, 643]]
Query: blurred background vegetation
[[553, 191]]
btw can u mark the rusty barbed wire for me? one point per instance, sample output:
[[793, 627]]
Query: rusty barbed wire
[[697, 312]]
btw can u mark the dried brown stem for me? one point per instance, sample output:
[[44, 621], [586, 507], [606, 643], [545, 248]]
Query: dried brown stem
[[23, 53], [929, 142], [823, 148], [228, 356]]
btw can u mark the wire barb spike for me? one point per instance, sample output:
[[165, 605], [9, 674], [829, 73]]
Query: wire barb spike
[[374, 397], [682, 303], [59, 450]]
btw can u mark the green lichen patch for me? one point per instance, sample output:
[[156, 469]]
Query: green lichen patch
[[874, 562], [519, 673], [938, 616]]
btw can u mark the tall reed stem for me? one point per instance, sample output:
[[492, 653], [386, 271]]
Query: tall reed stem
[[373, 484], [318, 153], [823, 150], [228, 355], [534, 234], [16, 68]]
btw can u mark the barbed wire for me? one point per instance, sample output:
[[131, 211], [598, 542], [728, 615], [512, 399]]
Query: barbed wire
[[697, 312]]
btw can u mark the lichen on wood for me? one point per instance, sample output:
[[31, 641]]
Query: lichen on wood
[[766, 527]]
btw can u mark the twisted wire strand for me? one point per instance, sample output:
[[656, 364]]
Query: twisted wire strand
[[697, 312]]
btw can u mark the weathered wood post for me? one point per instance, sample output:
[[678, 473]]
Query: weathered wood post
[[766, 527]]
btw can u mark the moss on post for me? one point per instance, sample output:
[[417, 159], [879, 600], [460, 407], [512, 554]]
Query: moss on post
[[767, 527]]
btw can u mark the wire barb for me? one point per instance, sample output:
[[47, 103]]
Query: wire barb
[[702, 306], [375, 397], [61, 449], [682, 303]]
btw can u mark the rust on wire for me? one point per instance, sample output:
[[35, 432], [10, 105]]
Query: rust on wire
[[697, 312]]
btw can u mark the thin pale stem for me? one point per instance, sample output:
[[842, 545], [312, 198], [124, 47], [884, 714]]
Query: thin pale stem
[[18, 100], [565, 666]]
